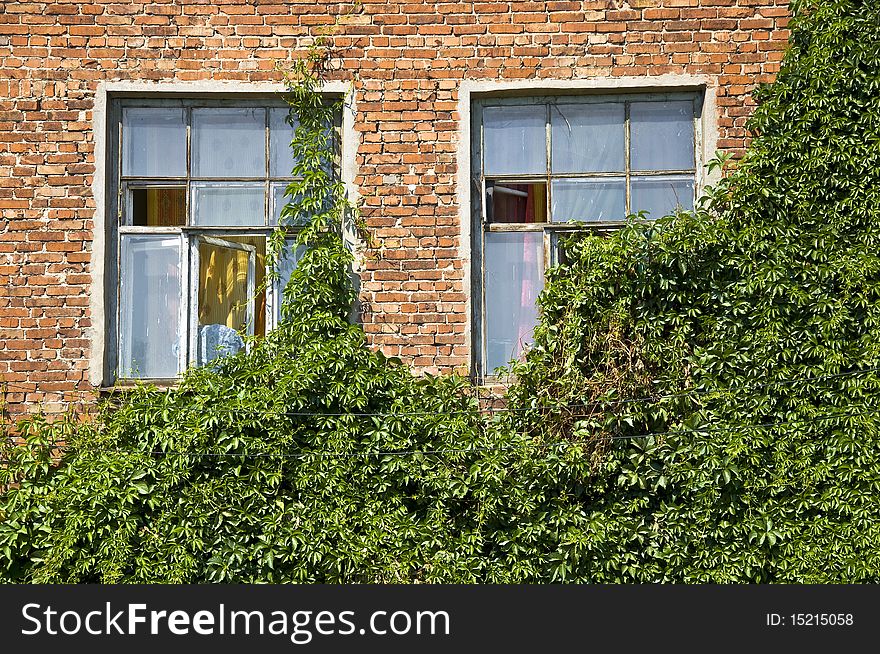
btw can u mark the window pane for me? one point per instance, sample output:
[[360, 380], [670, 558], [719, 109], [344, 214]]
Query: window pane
[[660, 196], [588, 138], [287, 263], [514, 138], [226, 283], [153, 142], [157, 207], [589, 200], [559, 242], [280, 135], [149, 301], [279, 201], [228, 203], [662, 135], [514, 277], [508, 202], [229, 142]]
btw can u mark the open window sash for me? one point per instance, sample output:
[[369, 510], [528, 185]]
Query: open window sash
[[222, 277], [152, 322]]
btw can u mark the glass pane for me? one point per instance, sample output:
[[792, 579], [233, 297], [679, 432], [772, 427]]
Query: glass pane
[[559, 243], [660, 196], [229, 142], [158, 207], [153, 142], [514, 140], [225, 285], [228, 203], [662, 135], [516, 203], [588, 138], [286, 265], [280, 135], [279, 201], [514, 278], [149, 301], [589, 200]]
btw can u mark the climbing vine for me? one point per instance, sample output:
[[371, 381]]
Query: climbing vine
[[742, 340], [700, 404], [310, 458]]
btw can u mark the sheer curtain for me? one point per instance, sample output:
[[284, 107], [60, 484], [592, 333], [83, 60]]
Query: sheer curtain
[[514, 278]]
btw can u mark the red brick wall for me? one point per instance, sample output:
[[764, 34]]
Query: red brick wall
[[405, 61]]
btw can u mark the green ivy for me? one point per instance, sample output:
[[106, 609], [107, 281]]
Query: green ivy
[[699, 406], [311, 458], [745, 338]]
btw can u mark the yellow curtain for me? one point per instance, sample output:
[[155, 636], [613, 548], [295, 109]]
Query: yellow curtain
[[223, 284], [166, 207]]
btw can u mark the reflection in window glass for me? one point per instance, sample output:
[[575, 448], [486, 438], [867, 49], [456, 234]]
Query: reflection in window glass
[[280, 136], [280, 199], [514, 140], [514, 264], [229, 142], [228, 203], [287, 263], [153, 142], [149, 305]]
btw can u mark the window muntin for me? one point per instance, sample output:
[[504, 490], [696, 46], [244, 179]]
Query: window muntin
[[547, 165], [201, 184]]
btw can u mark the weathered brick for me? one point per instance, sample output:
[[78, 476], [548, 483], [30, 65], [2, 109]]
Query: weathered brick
[[406, 62]]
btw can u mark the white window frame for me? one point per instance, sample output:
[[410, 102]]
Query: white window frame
[[705, 136]]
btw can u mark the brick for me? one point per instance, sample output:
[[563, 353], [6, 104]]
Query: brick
[[407, 60]]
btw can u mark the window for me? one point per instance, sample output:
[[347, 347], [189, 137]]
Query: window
[[200, 185], [544, 166]]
